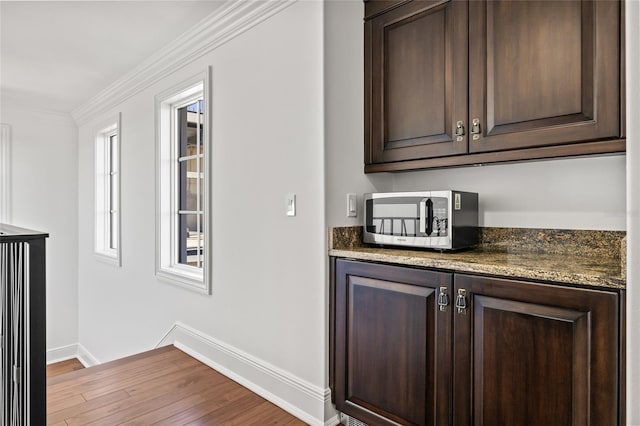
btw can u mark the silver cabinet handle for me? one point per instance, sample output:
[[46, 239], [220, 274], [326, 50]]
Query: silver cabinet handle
[[459, 132], [461, 301], [475, 129], [443, 299]]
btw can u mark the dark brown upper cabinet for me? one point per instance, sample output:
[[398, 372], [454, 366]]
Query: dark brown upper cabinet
[[543, 72], [418, 81], [455, 83]]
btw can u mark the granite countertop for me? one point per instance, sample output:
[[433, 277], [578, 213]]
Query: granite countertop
[[588, 258]]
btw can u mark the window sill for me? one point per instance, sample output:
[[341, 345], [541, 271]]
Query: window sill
[[184, 279], [108, 257]]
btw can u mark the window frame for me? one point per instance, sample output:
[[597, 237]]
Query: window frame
[[104, 193], [168, 268]]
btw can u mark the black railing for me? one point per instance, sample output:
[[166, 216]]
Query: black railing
[[23, 399]]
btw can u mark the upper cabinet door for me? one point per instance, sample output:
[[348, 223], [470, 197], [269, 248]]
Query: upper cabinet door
[[543, 72], [416, 81]]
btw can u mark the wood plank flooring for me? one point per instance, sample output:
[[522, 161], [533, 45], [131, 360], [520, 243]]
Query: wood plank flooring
[[63, 367], [160, 387]]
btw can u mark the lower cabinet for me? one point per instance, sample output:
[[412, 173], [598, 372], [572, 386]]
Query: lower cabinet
[[392, 344], [535, 354], [416, 347]]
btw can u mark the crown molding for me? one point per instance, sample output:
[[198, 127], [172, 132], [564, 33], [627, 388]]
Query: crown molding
[[232, 19]]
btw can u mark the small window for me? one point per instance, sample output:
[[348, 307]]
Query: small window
[[183, 234], [190, 183], [107, 224]]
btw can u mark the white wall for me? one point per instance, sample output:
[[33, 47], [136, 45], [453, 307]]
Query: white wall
[[581, 193], [344, 113], [268, 269], [5, 170], [44, 195], [633, 212], [586, 193]]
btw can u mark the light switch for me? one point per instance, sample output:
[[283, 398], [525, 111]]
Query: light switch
[[352, 205], [291, 204]]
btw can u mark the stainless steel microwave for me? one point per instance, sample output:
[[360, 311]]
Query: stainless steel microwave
[[442, 220]]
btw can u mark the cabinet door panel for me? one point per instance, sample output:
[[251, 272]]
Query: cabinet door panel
[[529, 355], [377, 344], [535, 76], [416, 71], [393, 345], [407, 89], [538, 354]]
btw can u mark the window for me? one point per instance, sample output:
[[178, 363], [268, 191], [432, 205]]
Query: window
[[183, 231], [107, 224], [190, 183]]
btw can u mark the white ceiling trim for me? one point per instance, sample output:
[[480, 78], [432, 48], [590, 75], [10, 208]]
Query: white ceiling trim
[[210, 33]]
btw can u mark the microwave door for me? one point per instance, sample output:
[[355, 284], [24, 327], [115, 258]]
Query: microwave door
[[434, 220], [429, 228], [423, 217], [440, 236], [426, 221], [426, 217]]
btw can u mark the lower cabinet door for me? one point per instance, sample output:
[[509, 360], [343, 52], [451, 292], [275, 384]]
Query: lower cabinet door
[[392, 344], [534, 354]]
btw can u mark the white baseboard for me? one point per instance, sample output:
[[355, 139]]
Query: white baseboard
[[63, 353], [85, 357], [333, 421], [306, 401], [75, 350]]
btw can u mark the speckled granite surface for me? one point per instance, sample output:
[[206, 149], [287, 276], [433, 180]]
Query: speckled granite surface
[[591, 258], [553, 241], [623, 256]]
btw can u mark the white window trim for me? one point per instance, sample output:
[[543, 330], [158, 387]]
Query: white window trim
[[167, 269], [102, 225], [5, 173]]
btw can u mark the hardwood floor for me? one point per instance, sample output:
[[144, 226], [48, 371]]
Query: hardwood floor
[[63, 367], [160, 387]]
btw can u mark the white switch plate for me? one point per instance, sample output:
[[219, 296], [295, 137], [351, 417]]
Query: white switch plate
[[352, 205], [291, 204]]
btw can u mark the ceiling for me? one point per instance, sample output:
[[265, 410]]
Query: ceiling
[[56, 55]]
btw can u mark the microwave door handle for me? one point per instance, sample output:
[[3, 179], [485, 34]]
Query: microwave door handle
[[423, 216], [429, 229]]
